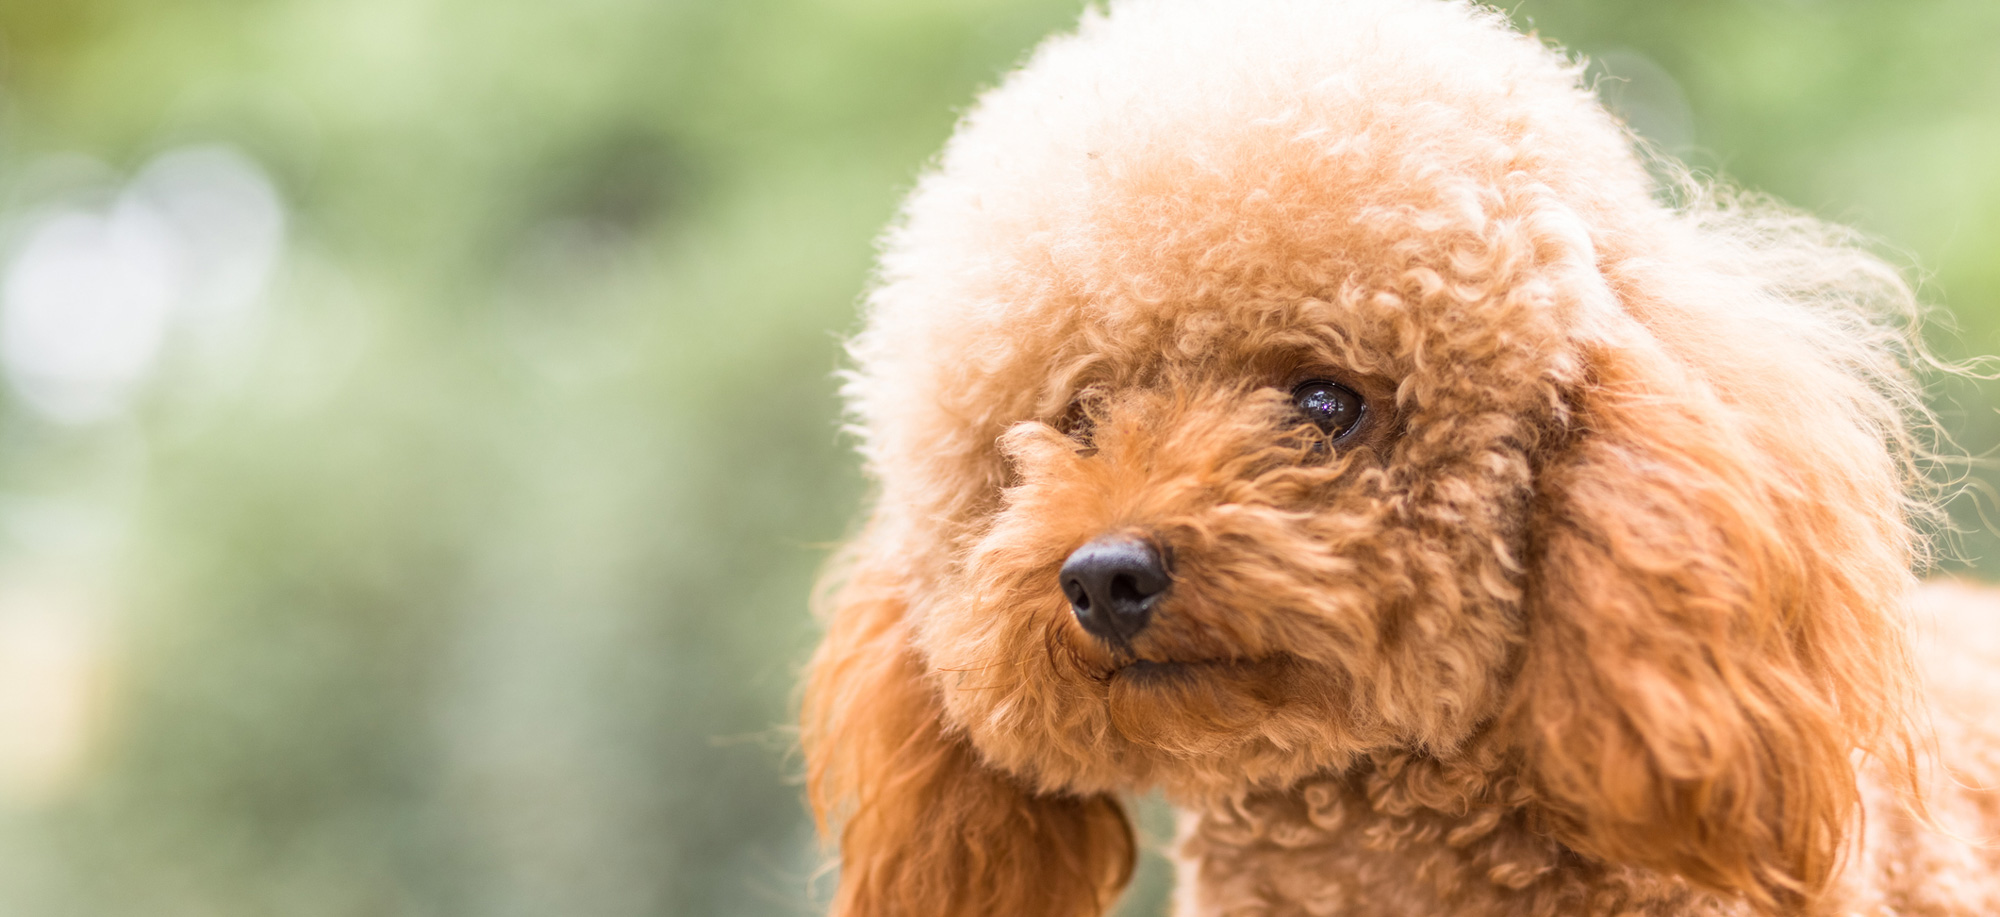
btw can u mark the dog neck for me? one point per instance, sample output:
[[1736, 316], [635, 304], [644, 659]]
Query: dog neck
[[1404, 834]]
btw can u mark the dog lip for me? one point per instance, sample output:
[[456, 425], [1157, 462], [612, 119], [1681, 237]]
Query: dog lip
[[1148, 669], [1160, 669]]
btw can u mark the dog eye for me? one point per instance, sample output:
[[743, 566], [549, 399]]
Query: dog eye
[[1332, 407], [1076, 424]]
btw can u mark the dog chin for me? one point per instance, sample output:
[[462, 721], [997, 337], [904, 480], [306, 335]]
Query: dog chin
[[1164, 703], [1195, 728], [1180, 718]]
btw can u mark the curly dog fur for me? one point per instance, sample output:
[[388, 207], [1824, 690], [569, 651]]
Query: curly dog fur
[[1605, 609]]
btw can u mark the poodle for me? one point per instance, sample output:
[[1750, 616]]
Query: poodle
[[1316, 412]]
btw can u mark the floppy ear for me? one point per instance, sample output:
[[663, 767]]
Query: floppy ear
[[1714, 629], [926, 829]]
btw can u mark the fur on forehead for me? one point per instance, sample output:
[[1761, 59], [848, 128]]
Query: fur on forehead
[[1184, 183]]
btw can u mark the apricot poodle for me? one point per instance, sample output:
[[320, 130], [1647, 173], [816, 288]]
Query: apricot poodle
[[1310, 409]]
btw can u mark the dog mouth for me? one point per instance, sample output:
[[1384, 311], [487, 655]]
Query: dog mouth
[[1142, 672], [1200, 707]]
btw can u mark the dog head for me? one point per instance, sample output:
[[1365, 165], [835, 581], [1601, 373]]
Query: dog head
[[1251, 388]]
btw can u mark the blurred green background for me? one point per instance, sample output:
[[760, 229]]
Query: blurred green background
[[418, 439]]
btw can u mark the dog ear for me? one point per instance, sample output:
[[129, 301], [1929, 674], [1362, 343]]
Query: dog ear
[[926, 829], [1715, 590]]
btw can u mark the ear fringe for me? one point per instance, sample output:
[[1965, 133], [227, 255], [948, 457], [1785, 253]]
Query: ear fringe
[[1716, 628], [926, 829]]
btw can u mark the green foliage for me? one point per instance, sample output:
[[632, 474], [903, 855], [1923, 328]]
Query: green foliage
[[477, 583]]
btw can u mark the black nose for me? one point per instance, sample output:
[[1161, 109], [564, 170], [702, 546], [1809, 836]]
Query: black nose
[[1112, 584]]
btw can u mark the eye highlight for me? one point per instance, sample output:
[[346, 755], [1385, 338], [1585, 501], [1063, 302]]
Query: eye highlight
[[1334, 408]]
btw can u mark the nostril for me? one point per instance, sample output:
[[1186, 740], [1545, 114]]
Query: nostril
[[1077, 595], [1125, 589]]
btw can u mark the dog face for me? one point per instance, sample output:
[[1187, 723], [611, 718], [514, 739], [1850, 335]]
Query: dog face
[[1251, 389], [1305, 361], [1324, 494]]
